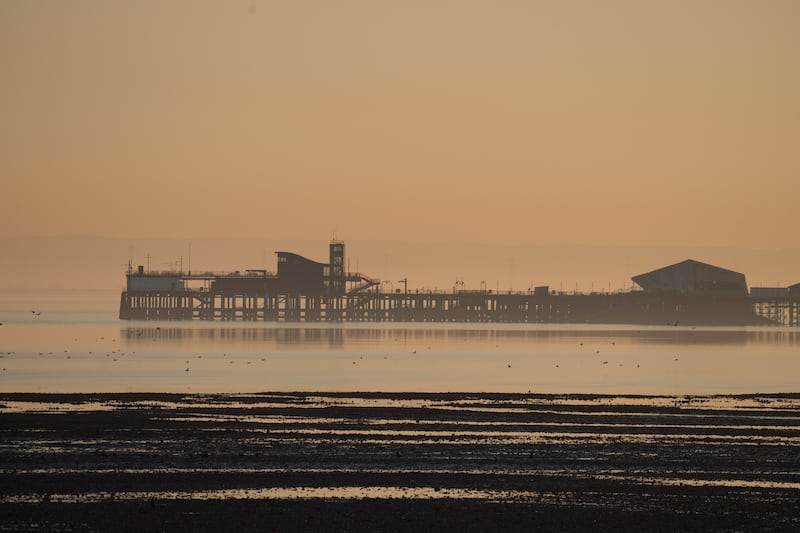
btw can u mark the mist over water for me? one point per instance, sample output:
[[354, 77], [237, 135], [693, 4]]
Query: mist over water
[[73, 342]]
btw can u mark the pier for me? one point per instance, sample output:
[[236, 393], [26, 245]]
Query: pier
[[303, 290], [480, 307], [781, 310]]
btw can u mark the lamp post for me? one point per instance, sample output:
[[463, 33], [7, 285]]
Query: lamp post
[[404, 281]]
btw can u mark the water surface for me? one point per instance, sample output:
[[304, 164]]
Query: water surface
[[73, 342]]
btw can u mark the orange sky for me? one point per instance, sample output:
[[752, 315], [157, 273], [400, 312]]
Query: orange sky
[[672, 123]]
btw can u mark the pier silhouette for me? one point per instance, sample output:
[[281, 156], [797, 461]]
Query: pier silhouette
[[302, 290]]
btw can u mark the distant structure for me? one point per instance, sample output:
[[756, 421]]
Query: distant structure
[[296, 275], [769, 292], [794, 290], [693, 278], [303, 290], [779, 305]]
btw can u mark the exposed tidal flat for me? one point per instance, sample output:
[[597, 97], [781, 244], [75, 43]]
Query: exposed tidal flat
[[399, 461], [163, 426]]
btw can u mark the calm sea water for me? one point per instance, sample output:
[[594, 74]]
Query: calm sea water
[[72, 341]]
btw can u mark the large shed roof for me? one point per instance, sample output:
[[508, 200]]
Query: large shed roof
[[693, 277]]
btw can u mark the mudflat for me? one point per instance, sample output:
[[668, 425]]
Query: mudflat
[[398, 462]]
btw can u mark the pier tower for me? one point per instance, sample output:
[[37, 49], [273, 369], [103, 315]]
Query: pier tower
[[336, 274]]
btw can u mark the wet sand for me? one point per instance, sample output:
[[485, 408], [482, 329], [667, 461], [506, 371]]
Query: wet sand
[[399, 462]]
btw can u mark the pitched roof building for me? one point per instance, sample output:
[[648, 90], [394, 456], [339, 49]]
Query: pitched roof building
[[693, 277]]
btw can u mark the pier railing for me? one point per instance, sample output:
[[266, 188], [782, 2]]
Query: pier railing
[[201, 275]]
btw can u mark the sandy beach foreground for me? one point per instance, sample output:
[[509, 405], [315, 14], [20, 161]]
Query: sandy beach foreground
[[405, 462]]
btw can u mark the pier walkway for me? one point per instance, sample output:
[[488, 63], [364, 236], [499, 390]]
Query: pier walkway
[[634, 307]]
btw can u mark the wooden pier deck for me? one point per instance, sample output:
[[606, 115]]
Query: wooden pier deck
[[463, 306]]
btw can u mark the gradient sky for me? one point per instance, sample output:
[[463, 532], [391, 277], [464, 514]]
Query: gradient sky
[[666, 123]]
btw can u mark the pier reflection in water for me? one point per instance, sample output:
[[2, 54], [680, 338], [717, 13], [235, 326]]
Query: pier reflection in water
[[102, 355], [513, 358], [339, 337]]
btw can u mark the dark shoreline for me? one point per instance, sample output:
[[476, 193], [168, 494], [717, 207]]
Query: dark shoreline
[[399, 461]]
